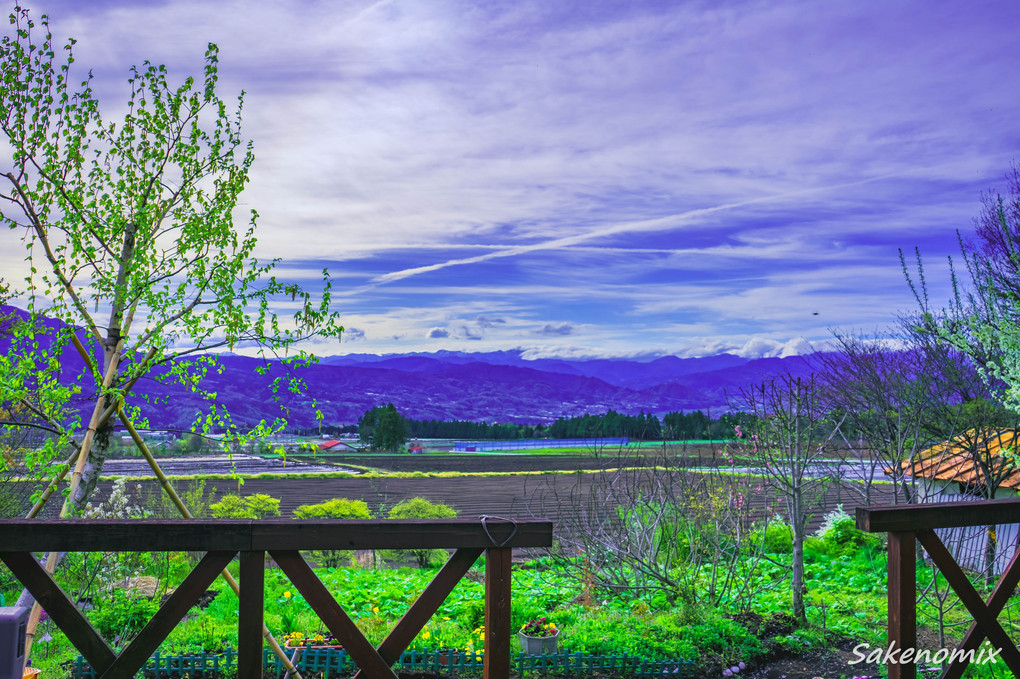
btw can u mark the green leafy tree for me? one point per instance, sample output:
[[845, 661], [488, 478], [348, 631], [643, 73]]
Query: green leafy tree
[[419, 508], [257, 506], [383, 428], [337, 508], [128, 228], [191, 444]]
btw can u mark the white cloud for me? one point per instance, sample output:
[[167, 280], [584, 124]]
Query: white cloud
[[645, 176]]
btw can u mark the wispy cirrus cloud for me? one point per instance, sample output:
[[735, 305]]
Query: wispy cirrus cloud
[[596, 177]]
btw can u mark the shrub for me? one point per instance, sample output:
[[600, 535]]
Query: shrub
[[846, 534], [257, 506], [123, 616], [775, 538], [419, 508], [262, 505], [337, 508], [839, 531]]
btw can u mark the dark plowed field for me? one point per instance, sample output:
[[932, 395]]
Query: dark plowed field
[[501, 463], [546, 496], [555, 496]]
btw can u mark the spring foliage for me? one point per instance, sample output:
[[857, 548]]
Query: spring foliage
[[128, 230]]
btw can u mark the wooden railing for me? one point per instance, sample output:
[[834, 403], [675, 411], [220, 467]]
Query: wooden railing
[[907, 523], [222, 540]]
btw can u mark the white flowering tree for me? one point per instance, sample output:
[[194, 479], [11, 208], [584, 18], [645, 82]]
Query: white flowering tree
[[983, 321]]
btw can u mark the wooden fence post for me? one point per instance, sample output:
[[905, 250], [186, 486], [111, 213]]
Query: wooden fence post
[[249, 612], [902, 601], [497, 613]]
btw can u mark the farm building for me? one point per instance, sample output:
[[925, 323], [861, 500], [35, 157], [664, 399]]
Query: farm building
[[965, 467], [335, 446], [532, 444]]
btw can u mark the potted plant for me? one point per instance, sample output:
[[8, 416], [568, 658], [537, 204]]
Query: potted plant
[[317, 640], [539, 637]]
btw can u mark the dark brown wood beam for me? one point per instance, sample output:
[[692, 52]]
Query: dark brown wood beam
[[426, 605], [497, 613], [362, 652], [125, 535], [1000, 596], [249, 612], [285, 534], [169, 614], [143, 535], [61, 609], [902, 586], [937, 515], [984, 616]]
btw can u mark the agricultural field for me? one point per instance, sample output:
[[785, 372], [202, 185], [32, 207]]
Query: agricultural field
[[847, 608], [724, 598]]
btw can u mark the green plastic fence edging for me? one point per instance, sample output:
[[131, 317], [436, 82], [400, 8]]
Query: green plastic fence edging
[[331, 662]]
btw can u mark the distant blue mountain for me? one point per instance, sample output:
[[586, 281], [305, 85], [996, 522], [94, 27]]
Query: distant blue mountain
[[495, 387]]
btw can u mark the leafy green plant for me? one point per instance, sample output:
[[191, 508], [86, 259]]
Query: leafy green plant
[[775, 538], [337, 508], [121, 617], [419, 508], [257, 506]]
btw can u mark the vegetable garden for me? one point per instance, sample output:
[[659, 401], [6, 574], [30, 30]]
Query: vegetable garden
[[728, 603]]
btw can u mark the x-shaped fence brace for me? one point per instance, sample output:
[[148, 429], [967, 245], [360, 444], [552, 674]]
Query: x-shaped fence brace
[[907, 523], [281, 539]]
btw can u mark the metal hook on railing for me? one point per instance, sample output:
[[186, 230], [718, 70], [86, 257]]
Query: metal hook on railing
[[485, 517]]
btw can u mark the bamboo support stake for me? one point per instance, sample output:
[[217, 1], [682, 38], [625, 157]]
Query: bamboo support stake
[[118, 408], [54, 484], [111, 409], [101, 413], [79, 469], [186, 513]]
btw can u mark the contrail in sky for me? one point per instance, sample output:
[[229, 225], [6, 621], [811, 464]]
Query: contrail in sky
[[658, 224]]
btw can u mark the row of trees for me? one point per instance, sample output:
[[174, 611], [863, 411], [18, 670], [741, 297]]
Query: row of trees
[[382, 429]]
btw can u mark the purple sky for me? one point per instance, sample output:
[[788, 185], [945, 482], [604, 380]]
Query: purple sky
[[597, 178]]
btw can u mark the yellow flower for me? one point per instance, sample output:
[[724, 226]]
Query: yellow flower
[[286, 595], [375, 609], [426, 635], [446, 617]]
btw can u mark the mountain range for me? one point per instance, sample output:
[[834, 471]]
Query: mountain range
[[501, 386]]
